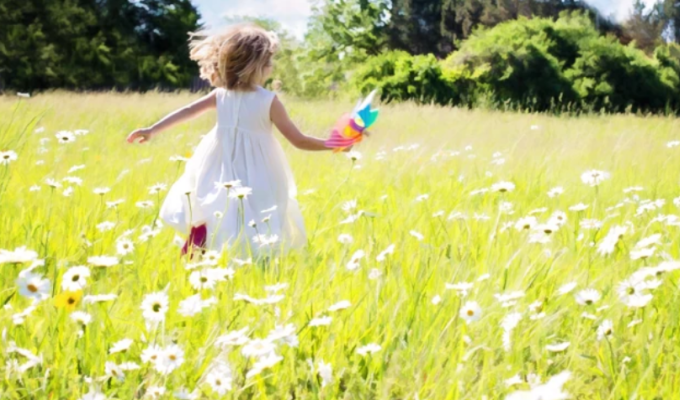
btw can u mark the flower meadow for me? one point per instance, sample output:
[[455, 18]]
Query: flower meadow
[[454, 254]]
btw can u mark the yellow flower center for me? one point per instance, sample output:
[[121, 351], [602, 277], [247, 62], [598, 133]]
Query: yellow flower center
[[470, 313], [71, 301], [75, 278], [156, 307], [32, 288]]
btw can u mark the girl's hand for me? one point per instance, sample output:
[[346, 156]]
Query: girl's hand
[[145, 134]]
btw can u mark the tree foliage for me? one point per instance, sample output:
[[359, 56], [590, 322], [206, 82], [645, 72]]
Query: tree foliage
[[537, 64], [85, 44]]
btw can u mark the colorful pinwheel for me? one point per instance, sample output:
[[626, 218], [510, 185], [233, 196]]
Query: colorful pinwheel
[[350, 128]]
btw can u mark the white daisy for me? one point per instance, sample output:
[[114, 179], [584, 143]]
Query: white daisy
[[578, 207], [471, 311], [65, 137], [7, 157], [157, 188], [262, 363], [220, 379], [194, 305], [33, 286], [81, 317], [93, 394], [233, 338], [325, 371], [642, 254], [526, 223], [594, 177], [172, 357], [102, 261], [368, 349], [121, 346], [590, 224], [354, 155], [241, 192], [320, 321], [101, 191], [144, 204], [228, 184], [345, 238], [20, 255], [556, 191], [184, 394], [265, 240], [258, 348], [154, 392], [202, 279], [374, 274], [349, 205], [383, 255], [99, 298], [105, 226], [124, 247], [417, 235], [115, 203], [503, 187], [557, 347], [155, 306], [587, 297], [151, 354], [648, 241], [606, 329], [354, 261], [75, 278], [340, 306]]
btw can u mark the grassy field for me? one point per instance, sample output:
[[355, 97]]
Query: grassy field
[[484, 295]]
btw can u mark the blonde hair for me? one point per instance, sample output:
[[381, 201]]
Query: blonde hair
[[236, 58]]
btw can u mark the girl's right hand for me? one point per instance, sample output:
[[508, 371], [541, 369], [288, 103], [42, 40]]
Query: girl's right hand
[[144, 133]]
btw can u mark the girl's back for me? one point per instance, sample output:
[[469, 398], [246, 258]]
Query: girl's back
[[249, 111]]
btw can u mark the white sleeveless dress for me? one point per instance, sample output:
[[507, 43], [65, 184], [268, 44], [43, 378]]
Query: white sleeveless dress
[[241, 147]]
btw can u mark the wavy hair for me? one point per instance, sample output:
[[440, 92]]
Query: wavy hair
[[235, 58]]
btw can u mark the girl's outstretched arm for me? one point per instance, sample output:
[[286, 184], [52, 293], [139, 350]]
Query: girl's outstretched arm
[[183, 114], [280, 118]]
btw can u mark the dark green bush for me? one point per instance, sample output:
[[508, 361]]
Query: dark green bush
[[400, 77], [541, 64], [536, 64], [519, 62]]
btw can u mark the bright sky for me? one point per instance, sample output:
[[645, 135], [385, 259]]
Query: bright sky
[[293, 14]]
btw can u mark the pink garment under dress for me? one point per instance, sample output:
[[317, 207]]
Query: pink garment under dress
[[240, 147]]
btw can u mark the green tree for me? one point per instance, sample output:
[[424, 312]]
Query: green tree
[[646, 27], [86, 44]]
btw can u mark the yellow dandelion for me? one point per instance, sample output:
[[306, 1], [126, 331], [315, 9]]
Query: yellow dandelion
[[68, 299]]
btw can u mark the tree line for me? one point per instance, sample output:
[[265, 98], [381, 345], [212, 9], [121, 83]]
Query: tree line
[[95, 44], [422, 50]]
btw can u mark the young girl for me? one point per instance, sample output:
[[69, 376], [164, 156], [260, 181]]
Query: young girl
[[238, 172]]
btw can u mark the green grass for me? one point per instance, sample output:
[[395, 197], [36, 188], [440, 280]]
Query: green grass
[[427, 351]]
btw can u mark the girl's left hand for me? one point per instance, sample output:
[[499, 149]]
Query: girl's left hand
[[144, 133]]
